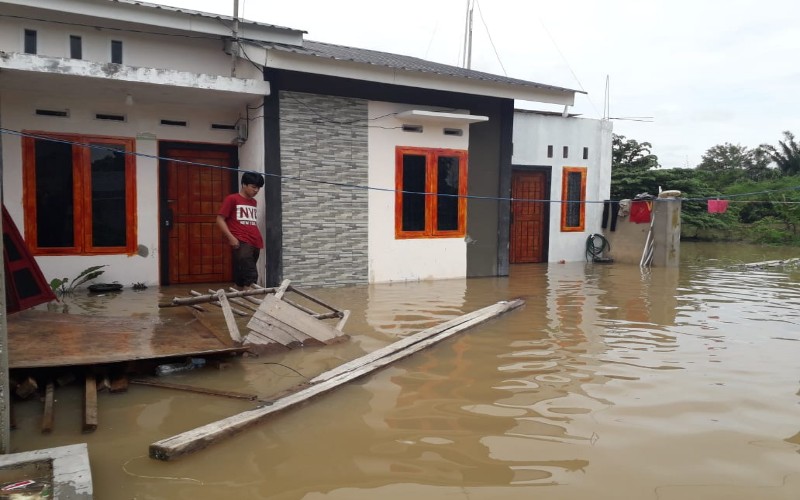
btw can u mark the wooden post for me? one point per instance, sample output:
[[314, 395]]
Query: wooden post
[[199, 438], [233, 329], [90, 405], [49, 411]]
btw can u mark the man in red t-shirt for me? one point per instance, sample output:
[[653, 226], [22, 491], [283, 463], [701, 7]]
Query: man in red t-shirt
[[237, 219]]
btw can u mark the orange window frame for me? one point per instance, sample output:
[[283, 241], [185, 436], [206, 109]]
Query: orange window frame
[[431, 200], [568, 199], [81, 193]]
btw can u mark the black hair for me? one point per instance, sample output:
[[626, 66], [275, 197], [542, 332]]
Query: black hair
[[252, 178]]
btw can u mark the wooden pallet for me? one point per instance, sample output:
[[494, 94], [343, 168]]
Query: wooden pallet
[[275, 318]]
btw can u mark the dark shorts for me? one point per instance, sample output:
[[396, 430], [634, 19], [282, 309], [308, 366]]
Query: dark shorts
[[245, 271]]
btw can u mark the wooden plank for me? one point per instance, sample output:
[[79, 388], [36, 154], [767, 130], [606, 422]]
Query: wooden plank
[[345, 317], [201, 299], [225, 339], [233, 329], [281, 290], [198, 390], [90, 405], [201, 437], [259, 339], [278, 335], [218, 303], [265, 323], [49, 410], [287, 315], [242, 303]]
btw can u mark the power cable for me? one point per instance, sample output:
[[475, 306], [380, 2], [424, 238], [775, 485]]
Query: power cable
[[388, 190], [489, 34]]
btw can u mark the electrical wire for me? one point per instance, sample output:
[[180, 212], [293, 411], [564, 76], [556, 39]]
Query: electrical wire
[[489, 34], [285, 177]]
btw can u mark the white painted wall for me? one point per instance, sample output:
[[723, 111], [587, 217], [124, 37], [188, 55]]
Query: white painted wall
[[391, 259], [195, 55], [143, 123], [532, 134]]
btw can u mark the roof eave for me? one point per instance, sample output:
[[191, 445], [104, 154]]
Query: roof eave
[[305, 63]]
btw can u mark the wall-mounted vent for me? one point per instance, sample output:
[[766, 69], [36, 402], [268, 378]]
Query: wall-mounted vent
[[454, 131], [412, 128], [585, 153], [174, 123], [222, 126], [53, 112], [112, 118]]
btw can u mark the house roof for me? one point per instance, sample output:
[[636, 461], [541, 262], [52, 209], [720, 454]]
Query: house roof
[[202, 14], [405, 63]]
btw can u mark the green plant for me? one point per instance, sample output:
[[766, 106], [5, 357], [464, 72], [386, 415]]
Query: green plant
[[64, 285]]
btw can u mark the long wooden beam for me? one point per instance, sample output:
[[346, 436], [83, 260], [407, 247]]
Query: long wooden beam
[[201, 437]]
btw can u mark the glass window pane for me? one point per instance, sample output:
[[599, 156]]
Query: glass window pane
[[75, 47], [108, 196], [116, 52], [30, 41], [447, 184], [414, 204], [573, 195], [54, 201]]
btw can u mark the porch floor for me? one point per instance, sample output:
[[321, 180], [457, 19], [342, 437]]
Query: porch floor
[[115, 327]]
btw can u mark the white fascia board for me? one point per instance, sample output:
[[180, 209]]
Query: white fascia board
[[279, 59], [420, 115], [165, 18], [119, 72]]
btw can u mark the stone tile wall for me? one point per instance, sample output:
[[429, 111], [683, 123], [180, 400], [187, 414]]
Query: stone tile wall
[[324, 138]]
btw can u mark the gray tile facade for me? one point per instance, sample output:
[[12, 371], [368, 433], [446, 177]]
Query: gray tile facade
[[325, 231]]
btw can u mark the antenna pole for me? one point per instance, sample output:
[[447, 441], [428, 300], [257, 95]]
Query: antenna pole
[[235, 37], [469, 34]]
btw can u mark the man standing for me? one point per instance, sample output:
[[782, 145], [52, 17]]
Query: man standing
[[237, 219]]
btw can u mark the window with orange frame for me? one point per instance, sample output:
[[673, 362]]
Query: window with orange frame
[[573, 199], [79, 194], [431, 185]]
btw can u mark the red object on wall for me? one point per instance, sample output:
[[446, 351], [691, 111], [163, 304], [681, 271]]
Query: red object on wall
[[640, 211], [25, 284]]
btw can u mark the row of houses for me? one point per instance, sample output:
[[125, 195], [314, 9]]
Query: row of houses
[[125, 123]]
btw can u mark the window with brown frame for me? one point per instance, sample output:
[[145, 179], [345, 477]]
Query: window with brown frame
[[573, 199], [79, 194], [431, 185]]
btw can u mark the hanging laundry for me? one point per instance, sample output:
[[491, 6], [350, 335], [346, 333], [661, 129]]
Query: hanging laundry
[[640, 211], [717, 206]]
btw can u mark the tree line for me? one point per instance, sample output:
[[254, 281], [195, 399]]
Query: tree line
[[762, 185]]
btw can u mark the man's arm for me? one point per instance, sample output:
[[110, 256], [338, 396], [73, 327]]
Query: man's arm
[[223, 226]]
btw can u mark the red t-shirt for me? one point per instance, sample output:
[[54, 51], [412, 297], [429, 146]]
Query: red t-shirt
[[241, 215]]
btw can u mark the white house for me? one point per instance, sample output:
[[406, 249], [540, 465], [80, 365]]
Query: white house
[[124, 124]]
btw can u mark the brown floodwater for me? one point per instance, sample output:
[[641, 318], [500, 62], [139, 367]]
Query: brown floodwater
[[611, 382]]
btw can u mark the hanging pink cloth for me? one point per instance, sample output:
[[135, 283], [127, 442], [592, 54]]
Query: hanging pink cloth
[[717, 206], [640, 212]]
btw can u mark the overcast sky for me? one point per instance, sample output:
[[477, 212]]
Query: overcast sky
[[704, 72]]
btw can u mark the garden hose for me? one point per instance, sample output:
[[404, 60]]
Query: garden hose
[[596, 244]]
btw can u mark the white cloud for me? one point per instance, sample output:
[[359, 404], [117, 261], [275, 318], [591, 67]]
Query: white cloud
[[707, 72]]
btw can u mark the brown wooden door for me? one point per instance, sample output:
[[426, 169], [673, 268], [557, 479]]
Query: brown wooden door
[[527, 219], [198, 252]]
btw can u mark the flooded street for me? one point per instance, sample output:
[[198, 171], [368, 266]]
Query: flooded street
[[611, 382]]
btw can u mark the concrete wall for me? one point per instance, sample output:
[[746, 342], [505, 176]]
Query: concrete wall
[[533, 133], [324, 226], [393, 259], [195, 54], [142, 122], [628, 239]]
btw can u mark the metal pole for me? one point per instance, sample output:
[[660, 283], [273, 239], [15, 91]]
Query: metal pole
[[235, 38], [5, 388]]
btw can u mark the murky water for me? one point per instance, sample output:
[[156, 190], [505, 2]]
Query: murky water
[[610, 383]]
